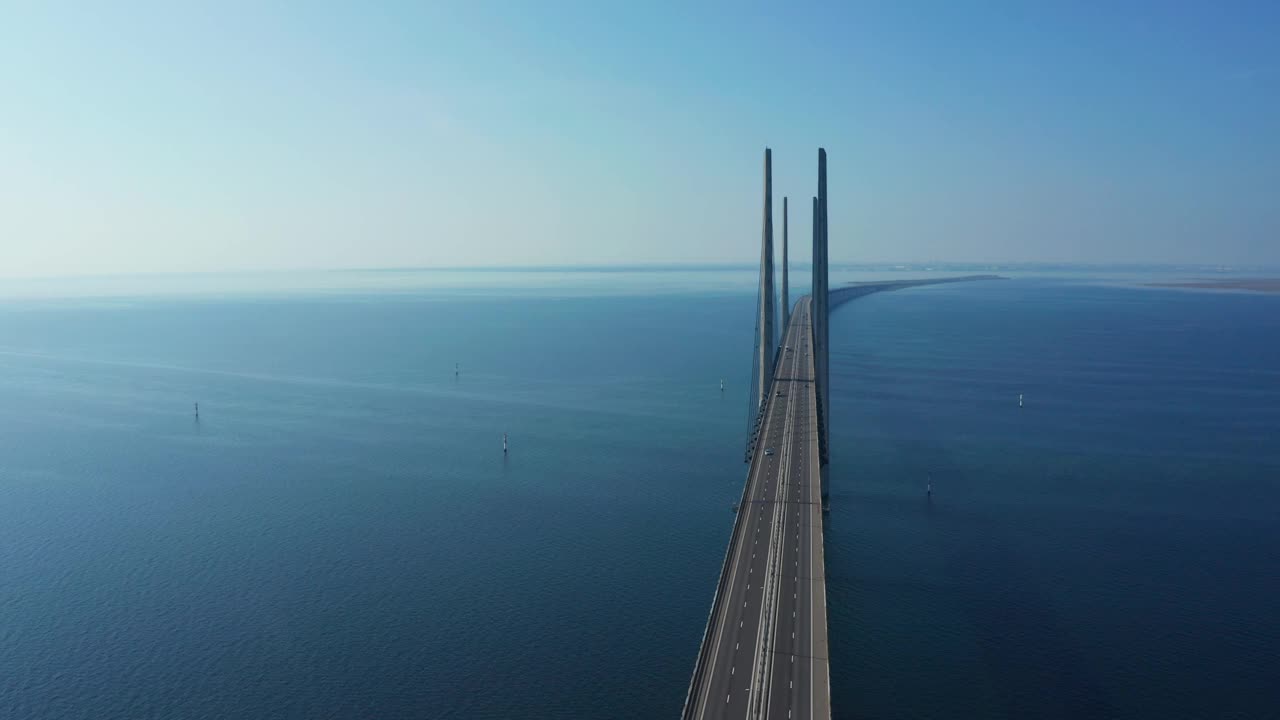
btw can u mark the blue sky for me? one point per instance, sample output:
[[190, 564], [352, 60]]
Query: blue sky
[[151, 137]]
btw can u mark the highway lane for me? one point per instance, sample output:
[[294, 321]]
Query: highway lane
[[797, 677], [757, 658]]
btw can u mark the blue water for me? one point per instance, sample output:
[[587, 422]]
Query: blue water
[[1110, 550], [339, 535]]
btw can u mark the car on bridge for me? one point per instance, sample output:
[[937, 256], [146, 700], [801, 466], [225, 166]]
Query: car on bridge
[[768, 451]]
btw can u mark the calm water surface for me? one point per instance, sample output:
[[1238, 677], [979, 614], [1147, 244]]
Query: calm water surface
[[340, 535], [1110, 550]]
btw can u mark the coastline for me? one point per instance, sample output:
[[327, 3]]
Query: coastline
[[1260, 285]]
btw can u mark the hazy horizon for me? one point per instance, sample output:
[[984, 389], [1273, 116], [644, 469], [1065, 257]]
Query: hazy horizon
[[144, 139], [642, 267]]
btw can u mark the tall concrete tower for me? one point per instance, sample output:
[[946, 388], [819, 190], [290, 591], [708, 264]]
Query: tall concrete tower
[[767, 341], [824, 350], [822, 338], [786, 293], [815, 318]]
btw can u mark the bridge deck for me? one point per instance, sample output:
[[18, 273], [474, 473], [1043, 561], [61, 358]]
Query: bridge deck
[[764, 653]]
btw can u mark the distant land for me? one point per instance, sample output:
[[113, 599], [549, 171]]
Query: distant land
[[1267, 285]]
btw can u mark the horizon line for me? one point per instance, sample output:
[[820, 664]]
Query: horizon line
[[914, 265]]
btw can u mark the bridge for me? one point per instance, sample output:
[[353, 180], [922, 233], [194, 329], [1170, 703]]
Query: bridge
[[764, 652], [842, 295]]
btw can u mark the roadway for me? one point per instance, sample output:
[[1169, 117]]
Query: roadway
[[764, 654]]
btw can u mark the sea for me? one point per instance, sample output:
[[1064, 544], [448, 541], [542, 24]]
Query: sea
[[338, 533]]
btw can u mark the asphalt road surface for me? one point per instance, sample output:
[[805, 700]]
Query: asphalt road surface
[[765, 652]]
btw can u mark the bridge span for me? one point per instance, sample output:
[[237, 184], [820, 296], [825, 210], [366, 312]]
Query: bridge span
[[765, 650]]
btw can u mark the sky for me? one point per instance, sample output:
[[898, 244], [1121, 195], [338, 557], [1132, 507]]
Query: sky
[[144, 137]]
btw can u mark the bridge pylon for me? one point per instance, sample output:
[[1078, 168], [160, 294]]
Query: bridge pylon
[[821, 335], [766, 342], [766, 353], [786, 291]]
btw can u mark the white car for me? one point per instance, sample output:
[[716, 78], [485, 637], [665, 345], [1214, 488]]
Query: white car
[[768, 451]]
